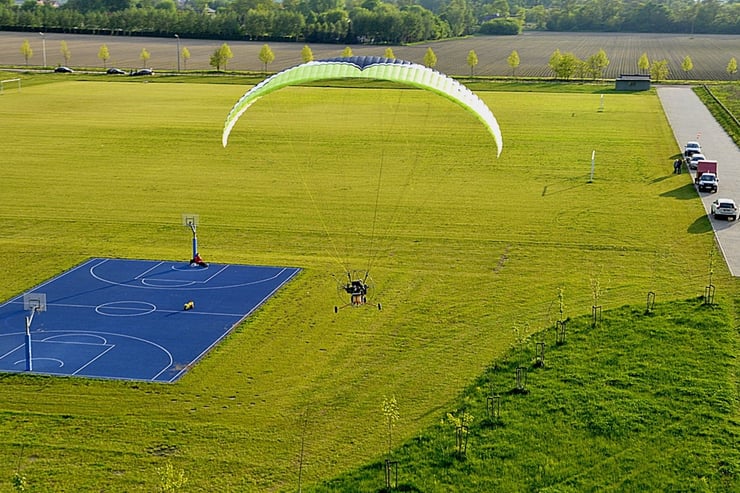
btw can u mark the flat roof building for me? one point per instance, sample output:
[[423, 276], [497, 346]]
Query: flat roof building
[[632, 82]]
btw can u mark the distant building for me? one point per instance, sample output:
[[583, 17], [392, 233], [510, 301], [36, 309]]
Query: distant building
[[634, 82], [52, 3]]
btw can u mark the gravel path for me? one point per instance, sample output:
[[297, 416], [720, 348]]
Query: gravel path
[[689, 119]]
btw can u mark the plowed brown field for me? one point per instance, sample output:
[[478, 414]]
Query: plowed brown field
[[710, 54]]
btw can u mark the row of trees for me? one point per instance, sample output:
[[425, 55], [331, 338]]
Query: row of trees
[[703, 16], [564, 66], [368, 21], [372, 22]]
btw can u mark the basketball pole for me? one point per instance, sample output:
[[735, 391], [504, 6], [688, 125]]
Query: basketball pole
[[195, 238], [29, 359]]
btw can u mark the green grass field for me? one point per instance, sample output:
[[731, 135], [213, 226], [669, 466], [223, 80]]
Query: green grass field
[[464, 248], [641, 402]]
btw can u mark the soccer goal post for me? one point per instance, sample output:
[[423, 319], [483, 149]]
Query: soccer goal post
[[6, 82]]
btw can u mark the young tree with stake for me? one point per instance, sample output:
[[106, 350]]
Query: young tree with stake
[[390, 411], [659, 70], [732, 67], [306, 54], [185, 56], [104, 55], [554, 62], [597, 64], [64, 50], [26, 50], [430, 59], [643, 63], [221, 57], [144, 56], [513, 61], [472, 61], [266, 56]]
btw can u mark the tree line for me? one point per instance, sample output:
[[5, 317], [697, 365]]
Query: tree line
[[564, 66], [366, 21]]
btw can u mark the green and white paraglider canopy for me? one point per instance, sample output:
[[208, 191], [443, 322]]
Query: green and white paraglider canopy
[[369, 67]]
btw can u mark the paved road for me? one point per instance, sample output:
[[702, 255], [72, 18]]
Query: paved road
[[689, 118]]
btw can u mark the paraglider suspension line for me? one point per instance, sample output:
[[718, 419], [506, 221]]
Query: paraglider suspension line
[[372, 252]]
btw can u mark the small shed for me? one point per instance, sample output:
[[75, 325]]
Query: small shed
[[632, 82]]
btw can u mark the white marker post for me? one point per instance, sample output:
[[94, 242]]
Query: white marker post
[[593, 163]]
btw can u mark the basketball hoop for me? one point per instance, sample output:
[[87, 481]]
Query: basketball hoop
[[191, 221]]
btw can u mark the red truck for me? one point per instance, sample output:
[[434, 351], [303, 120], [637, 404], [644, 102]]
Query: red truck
[[706, 176]]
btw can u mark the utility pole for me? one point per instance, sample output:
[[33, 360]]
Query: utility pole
[[43, 47], [178, 52]]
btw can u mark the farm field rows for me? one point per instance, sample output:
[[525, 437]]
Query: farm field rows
[[710, 53], [464, 248]]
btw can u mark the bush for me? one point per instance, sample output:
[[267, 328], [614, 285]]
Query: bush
[[501, 26]]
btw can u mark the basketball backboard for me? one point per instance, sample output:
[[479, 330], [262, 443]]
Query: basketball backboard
[[34, 302]]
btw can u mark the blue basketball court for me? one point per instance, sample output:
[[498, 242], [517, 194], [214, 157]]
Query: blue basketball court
[[125, 319]]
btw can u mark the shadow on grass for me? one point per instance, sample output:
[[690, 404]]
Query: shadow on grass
[[401, 487], [564, 186], [684, 192], [700, 226]]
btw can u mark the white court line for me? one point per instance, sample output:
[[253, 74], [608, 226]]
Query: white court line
[[93, 360], [203, 283], [114, 334], [195, 311], [217, 341], [215, 274], [53, 339], [12, 351], [39, 286], [158, 310], [61, 363], [147, 271]]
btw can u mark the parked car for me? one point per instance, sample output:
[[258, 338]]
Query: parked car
[[63, 70], [724, 208], [708, 182], [142, 71], [694, 159], [115, 71], [692, 147]]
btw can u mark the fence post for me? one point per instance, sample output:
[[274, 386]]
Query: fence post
[[650, 302], [493, 406], [595, 315], [539, 354], [521, 378], [560, 331], [391, 474]]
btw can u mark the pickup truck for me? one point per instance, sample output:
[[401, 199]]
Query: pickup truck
[[707, 182]]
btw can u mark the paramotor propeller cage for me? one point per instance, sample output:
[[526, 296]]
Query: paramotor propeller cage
[[358, 287]]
